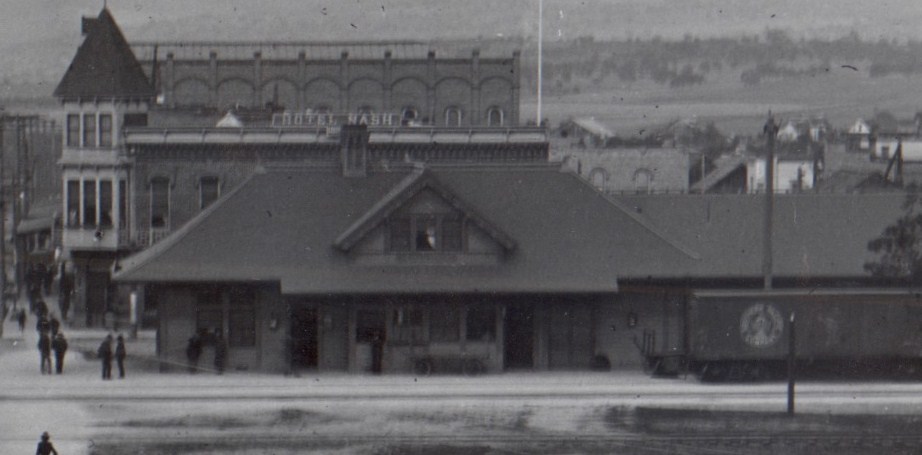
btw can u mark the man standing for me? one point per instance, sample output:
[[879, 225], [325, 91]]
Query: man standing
[[120, 356], [220, 353], [45, 447], [193, 352], [105, 355], [59, 345], [44, 349], [21, 319]]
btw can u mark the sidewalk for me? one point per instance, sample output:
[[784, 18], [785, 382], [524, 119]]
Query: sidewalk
[[21, 379]]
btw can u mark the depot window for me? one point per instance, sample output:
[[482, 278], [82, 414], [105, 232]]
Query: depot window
[[444, 323], [241, 319], [481, 323], [407, 325], [426, 233]]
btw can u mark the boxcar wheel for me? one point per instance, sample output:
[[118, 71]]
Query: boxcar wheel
[[472, 367], [714, 372]]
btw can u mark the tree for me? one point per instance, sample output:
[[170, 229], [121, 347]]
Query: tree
[[900, 244]]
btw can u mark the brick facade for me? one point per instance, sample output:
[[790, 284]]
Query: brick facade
[[483, 90]]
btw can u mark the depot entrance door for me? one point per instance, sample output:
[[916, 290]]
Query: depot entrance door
[[519, 337], [303, 337]]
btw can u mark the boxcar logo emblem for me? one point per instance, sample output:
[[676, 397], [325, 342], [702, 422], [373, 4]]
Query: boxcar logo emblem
[[761, 325]]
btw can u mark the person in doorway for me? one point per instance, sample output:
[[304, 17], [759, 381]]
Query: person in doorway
[[45, 447], [105, 355], [193, 352], [44, 349], [59, 345], [21, 319], [120, 356], [220, 353]]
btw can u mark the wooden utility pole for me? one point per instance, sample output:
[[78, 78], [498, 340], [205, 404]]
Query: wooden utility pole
[[770, 130], [792, 365], [2, 213]]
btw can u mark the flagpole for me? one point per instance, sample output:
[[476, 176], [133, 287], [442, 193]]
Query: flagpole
[[540, 49]]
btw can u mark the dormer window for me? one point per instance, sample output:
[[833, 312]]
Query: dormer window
[[424, 233]]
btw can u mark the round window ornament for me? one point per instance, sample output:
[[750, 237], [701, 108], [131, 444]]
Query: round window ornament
[[761, 325]]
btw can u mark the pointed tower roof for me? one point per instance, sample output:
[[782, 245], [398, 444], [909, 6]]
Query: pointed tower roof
[[104, 66]]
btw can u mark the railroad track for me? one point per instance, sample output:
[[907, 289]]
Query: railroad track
[[802, 443]]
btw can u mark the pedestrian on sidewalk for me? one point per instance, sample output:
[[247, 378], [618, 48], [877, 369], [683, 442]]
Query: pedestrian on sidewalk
[[44, 350], [21, 319], [59, 345], [120, 356], [220, 353], [45, 447], [193, 352], [55, 326], [105, 355], [42, 326]]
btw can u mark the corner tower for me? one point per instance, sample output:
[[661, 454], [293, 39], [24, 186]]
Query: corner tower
[[103, 91]]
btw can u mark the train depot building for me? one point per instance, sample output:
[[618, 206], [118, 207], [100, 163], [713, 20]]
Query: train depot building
[[454, 267]]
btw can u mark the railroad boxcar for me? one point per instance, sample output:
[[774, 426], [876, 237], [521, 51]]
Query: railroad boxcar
[[745, 335]]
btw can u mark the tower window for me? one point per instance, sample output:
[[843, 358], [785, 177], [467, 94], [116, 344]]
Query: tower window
[[105, 130], [73, 130]]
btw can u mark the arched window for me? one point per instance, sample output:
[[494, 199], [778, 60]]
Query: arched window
[[598, 177], [643, 180], [495, 117], [409, 116], [453, 116]]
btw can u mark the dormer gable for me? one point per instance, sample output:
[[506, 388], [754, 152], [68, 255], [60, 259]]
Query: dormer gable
[[422, 215], [104, 67]]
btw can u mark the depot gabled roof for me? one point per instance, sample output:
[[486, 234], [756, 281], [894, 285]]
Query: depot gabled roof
[[416, 182], [814, 235], [104, 66], [291, 225]]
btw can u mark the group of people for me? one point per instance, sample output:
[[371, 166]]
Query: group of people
[[50, 339], [106, 354], [194, 351]]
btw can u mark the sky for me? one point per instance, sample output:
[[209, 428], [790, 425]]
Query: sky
[[39, 37], [35, 20]]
